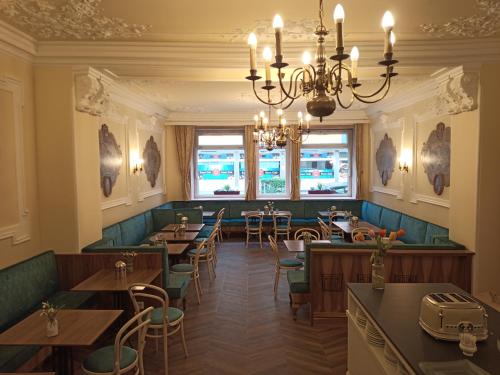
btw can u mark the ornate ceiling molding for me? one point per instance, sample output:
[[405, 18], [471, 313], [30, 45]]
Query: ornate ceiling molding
[[74, 19], [458, 92], [90, 95], [486, 22]]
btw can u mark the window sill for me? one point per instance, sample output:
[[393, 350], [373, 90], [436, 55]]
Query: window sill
[[326, 197]]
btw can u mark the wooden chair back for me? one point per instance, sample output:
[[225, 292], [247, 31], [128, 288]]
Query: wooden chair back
[[361, 231], [299, 234], [253, 221], [325, 230], [274, 249]]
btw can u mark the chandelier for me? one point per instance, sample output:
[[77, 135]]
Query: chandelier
[[271, 137], [323, 83]]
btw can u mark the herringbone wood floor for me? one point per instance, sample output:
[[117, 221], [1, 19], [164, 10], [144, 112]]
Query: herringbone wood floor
[[240, 328]]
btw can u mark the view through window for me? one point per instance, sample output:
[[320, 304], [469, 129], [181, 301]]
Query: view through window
[[272, 172], [220, 164], [325, 164]]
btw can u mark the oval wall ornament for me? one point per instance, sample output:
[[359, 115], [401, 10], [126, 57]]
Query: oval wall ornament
[[152, 161], [435, 156], [111, 160], [385, 158]]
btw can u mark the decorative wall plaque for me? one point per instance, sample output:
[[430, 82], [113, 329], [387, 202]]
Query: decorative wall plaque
[[386, 159], [152, 161], [111, 159], [435, 156]]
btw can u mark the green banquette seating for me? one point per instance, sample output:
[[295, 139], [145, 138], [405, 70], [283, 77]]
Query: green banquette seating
[[23, 287]]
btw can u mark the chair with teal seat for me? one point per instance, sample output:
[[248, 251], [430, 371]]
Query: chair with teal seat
[[192, 269], [282, 225], [163, 318], [118, 358], [206, 254], [281, 264], [301, 234], [253, 225]]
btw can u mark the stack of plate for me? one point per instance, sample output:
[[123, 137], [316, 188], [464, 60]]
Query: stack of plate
[[390, 357], [373, 337], [360, 318]]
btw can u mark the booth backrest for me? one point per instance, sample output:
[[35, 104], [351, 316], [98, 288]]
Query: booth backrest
[[416, 231], [23, 286]]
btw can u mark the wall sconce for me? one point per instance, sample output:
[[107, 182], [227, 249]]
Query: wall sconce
[[136, 163], [405, 161]]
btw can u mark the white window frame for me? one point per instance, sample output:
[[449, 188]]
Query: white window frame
[[288, 176], [197, 147], [352, 160]]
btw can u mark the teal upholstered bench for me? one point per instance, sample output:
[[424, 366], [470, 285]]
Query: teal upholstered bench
[[23, 287], [175, 285]]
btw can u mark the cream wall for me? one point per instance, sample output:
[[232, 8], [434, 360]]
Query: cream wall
[[15, 68], [172, 175]]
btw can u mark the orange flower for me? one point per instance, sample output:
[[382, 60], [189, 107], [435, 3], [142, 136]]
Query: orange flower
[[383, 232]]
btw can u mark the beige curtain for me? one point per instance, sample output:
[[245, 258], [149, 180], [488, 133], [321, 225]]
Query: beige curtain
[[250, 164], [295, 169], [358, 144], [184, 139]]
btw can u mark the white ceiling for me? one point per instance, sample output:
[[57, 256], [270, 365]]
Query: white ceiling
[[191, 55]]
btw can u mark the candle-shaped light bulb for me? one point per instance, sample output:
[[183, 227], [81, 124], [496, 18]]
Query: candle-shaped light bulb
[[392, 38], [279, 112], [262, 114], [252, 42], [387, 25], [266, 122], [300, 115], [306, 60], [387, 21], [268, 55], [283, 121], [354, 61], [338, 16], [308, 120], [278, 28], [256, 119]]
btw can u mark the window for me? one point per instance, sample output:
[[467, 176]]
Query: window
[[325, 164], [272, 173], [219, 164]]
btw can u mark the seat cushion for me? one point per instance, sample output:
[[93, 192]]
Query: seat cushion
[[12, 357], [206, 231], [70, 300], [102, 360], [297, 281], [198, 240], [192, 252], [177, 286], [172, 313], [415, 230], [371, 213], [290, 263], [114, 233], [182, 267], [301, 256]]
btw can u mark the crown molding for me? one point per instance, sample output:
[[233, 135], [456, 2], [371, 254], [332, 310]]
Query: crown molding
[[245, 118], [17, 43], [97, 92]]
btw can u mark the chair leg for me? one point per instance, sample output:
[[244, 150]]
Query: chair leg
[[183, 339], [199, 284], [156, 340], [260, 239], [246, 243], [165, 348], [197, 288], [276, 282]]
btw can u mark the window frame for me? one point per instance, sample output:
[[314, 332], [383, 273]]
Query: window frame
[[197, 147], [288, 175], [352, 160]]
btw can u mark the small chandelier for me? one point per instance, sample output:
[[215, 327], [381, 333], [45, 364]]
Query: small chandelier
[[321, 84], [271, 137]]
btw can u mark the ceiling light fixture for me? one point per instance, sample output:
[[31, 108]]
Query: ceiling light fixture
[[321, 84]]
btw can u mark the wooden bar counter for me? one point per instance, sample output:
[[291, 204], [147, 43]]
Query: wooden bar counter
[[331, 268]]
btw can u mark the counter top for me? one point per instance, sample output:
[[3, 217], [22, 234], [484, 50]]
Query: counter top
[[396, 311]]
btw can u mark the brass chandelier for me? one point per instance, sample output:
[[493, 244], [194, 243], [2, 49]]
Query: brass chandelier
[[270, 137], [321, 84]]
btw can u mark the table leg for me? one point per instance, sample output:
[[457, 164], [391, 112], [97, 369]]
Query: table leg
[[63, 360]]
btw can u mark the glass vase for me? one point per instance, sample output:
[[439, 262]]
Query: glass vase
[[52, 327], [378, 275]]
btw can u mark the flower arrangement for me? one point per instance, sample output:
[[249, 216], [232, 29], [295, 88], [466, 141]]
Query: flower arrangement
[[129, 259], [49, 311], [383, 244]]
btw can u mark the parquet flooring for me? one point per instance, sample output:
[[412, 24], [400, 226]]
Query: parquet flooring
[[240, 328]]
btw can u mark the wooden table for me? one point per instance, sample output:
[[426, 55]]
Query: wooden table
[[105, 281], [76, 328], [348, 228], [174, 237], [177, 248], [298, 246], [208, 213], [244, 213], [189, 228]]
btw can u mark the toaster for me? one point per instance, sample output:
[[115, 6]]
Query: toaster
[[445, 315]]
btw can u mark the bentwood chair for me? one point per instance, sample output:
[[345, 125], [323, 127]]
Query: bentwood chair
[[165, 320], [325, 230], [360, 234], [220, 214], [281, 264], [118, 358], [301, 234], [253, 226], [206, 254], [282, 225], [192, 269], [334, 230]]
